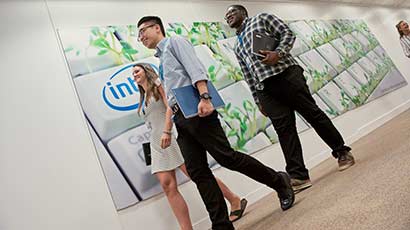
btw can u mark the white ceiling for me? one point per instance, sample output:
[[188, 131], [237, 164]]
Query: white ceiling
[[388, 3]]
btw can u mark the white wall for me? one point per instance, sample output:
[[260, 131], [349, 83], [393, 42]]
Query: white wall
[[57, 161], [49, 174]]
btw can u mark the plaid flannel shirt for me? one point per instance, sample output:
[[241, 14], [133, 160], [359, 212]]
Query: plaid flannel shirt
[[253, 69]]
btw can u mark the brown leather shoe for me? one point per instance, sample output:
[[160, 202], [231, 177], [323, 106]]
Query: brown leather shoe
[[300, 185], [345, 160]]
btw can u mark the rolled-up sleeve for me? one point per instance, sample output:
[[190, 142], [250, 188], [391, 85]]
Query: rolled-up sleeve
[[185, 53], [280, 29]]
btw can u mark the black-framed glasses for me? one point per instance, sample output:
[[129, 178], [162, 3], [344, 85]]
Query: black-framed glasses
[[230, 13], [143, 29]]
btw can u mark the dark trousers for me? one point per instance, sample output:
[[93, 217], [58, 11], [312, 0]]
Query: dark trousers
[[285, 93], [198, 135]]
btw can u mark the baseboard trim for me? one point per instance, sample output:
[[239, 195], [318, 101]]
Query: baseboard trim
[[377, 122]]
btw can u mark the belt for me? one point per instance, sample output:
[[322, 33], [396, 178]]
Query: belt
[[175, 108]]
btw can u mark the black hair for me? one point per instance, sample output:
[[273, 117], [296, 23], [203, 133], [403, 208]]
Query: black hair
[[241, 8], [155, 20]]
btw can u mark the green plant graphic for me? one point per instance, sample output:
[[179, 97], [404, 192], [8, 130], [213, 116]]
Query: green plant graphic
[[317, 40], [332, 112], [208, 33], [310, 43], [177, 28], [344, 100], [212, 72], [246, 118], [336, 27], [106, 42], [71, 48], [387, 61], [362, 27], [353, 50], [326, 35], [382, 70], [345, 26], [346, 62], [234, 72], [319, 79], [105, 39], [373, 79], [361, 96], [373, 41]]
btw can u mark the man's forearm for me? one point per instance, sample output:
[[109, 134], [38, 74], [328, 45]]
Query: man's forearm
[[202, 87]]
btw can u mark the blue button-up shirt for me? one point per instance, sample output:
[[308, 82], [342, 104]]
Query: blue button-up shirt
[[179, 65]]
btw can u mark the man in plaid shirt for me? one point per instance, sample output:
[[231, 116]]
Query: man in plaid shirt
[[279, 89]]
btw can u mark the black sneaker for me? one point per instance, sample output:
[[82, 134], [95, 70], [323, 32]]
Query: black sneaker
[[286, 194], [345, 160]]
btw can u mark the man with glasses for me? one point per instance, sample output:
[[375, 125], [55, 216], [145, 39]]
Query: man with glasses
[[279, 89], [179, 66]]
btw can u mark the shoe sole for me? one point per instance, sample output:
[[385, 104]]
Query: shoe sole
[[344, 167], [300, 188]]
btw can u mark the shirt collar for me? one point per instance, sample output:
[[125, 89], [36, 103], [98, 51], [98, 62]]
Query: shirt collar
[[160, 47], [245, 21]]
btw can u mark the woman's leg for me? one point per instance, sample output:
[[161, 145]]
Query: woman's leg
[[169, 184], [233, 199]]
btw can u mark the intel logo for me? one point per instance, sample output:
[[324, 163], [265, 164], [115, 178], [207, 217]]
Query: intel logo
[[120, 92]]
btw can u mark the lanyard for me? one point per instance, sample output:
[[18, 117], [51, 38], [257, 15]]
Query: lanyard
[[161, 71], [240, 38]]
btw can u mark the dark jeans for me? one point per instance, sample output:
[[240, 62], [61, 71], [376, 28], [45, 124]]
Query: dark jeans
[[284, 94], [198, 135]]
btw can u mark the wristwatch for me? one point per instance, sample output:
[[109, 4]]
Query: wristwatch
[[281, 54], [205, 96]]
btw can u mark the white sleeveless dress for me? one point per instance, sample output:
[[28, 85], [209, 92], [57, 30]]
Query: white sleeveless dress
[[161, 159]]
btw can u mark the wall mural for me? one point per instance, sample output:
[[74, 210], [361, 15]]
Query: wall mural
[[344, 64]]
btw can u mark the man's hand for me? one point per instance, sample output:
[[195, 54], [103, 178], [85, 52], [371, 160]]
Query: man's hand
[[262, 111], [205, 108], [165, 140], [271, 57]]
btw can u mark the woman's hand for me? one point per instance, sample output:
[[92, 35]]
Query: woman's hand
[[166, 140]]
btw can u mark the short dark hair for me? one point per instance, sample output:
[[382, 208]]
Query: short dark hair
[[154, 19], [241, 8]]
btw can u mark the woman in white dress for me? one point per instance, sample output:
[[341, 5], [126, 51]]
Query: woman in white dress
[[166, 156], [404, 32]]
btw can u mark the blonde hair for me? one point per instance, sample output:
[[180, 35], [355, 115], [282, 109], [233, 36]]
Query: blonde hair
[[152, 88]]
